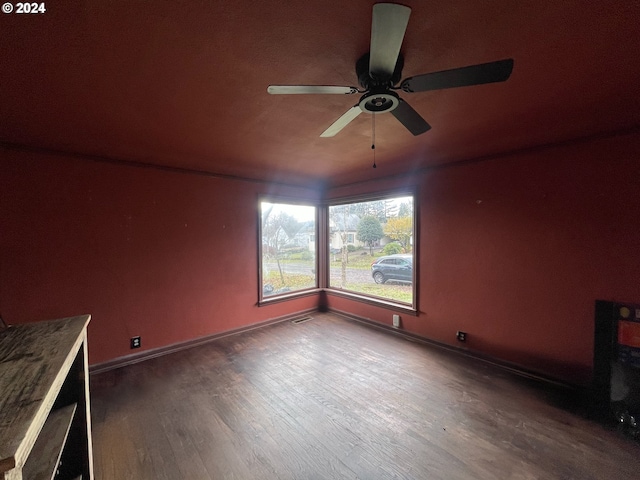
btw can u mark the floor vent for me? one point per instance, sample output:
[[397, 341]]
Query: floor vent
[[301, 319]]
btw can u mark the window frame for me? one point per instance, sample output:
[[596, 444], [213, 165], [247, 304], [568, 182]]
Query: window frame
[[410, 308], [278, 200]]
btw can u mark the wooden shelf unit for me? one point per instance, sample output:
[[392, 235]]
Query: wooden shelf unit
[[45, 420]]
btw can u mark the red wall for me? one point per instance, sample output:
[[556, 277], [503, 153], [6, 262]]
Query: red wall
[[513, 250], [165, 255], [516, 250]]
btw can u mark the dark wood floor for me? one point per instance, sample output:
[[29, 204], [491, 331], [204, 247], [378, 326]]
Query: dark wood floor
[[333, 399]]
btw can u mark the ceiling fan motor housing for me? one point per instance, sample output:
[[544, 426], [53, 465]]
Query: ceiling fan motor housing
[[369, 81], [378, 98]]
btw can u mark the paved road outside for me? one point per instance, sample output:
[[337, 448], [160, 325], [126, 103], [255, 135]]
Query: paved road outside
[[354, 275]]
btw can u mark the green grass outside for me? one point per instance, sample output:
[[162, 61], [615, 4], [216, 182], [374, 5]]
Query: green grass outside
[[399, 293], [360, 259], [390, 291], [294, 281]]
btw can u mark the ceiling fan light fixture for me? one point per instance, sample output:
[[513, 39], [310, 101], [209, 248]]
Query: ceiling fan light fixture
[[379, 102]]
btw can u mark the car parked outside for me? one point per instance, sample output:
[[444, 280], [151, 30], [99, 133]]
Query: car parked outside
[[393, 267]]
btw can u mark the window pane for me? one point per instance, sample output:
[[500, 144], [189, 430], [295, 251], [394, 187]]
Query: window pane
[[288, 250], [371, 248]]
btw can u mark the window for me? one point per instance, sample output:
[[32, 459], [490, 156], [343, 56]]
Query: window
[[287, 248], [371, 248]]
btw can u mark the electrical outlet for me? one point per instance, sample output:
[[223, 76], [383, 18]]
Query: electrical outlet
[[396, 321], [135, 342], [461, 336]]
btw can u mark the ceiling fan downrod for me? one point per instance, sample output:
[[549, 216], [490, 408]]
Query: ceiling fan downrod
[[373, 138]]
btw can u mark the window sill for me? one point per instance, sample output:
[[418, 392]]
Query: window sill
[[288, 296], [378, 302]]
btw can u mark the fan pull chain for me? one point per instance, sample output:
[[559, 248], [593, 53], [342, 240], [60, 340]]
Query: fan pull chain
[[373, 137]]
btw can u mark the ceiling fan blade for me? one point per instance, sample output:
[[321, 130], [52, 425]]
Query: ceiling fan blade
[[460, 77], [387, 32], [342, 122], [310, 89], [411, 119]]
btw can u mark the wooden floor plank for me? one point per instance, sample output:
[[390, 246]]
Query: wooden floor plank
[[333, 399]]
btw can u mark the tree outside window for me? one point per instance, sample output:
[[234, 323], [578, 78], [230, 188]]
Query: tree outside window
[[370, 231]]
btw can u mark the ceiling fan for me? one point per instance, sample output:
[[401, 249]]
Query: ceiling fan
[[380, 70]]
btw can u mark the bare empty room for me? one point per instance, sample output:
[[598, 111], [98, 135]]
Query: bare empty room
[[319, 240]]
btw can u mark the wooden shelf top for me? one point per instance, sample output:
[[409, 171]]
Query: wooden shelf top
[[34, 361]]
